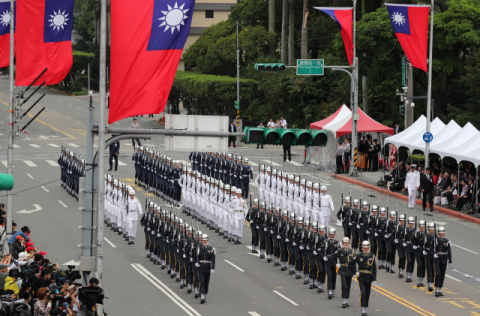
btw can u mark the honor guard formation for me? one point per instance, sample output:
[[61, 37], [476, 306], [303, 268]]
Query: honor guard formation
[[72, 167], [289, 224]]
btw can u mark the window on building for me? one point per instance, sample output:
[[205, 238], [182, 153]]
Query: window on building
[[209, 14]]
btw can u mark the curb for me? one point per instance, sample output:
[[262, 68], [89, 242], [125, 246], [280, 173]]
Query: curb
[[405, 198]]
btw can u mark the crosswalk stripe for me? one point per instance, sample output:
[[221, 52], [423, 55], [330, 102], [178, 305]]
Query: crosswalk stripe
[[296, 163], [128, 144], [53, 145], [73, 145], [272, 163], [253, 164], [253, 183], [29, 163], [121, 163], [52, 163], [35, 145], [5, 163], [16, 146]]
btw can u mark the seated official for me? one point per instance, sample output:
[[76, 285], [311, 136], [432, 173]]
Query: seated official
[[466, 194]]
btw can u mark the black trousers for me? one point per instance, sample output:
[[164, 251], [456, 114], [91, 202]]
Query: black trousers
[[339, 162], [298, 259], [276, 246], [364, 293], [313, 266], [204, 281], [410, 261], [306, 263], [420, 265], [254, 235], [269, 240], [429, 263], [401, 258], [321, 272], [347, 232], [231, 139], [382, 249], [440, 270], [373, 245], [374, 163], [196, 276], [331, 274], [391, 250], [427, 195], [286, 150], [188, 272], [347, 161], [113, 156], [283, 252], [291, 254], [354, 238], [181, 267], [346, 284], [263, 242]]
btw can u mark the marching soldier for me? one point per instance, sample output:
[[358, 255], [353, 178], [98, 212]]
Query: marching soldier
[[443, 255], [380, 229], [390, 236], [366, 275], [134, 209], [298, 232], [363, 222], [326, 206], [319, 255], [268, 186], [332, 245], [372, 228], [401, 245], [205, 262], [311, 248], [252, 217], [189, 249], [354, 214], [428, 252], [260, 183], [277, 216], [304, 251], [239, 206], [282, 232], [245, 176], [196, 271], [343, 215], [289, 238], [409, 244], [262, 229], [307, 203], [419, 247], [344, 255]]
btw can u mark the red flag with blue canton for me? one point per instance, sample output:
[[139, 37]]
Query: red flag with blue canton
[[147, 42], [344, 18], [410, 24], [5, 32], [43, 40]]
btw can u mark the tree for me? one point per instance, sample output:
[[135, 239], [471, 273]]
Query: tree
[[83, 20]]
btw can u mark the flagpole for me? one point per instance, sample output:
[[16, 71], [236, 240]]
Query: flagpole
[[11, 116], [353, 166], [429, 89]]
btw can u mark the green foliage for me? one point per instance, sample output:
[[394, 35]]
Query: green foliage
[[83, 20]]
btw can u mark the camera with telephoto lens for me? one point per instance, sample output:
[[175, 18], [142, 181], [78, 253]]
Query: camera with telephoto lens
[[70, 275]]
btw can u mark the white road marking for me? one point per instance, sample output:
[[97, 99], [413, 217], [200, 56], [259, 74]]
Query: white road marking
[[37, 208], [2, 122], [62, 203], [235, 266], [166, 290], [78, 108], [465, 248], [16, 146], [253, 183], [69, 104], [452, 278], [253, 164], [285, 298], [53, 145], [127, 144], [253, 254], [254, 314], [73, 145], [45, 189], [60, 101], [52, 163], [29, 163], [121, 163], [28, 174], [272, 163], [5, 163], [109, 242], [35, 145], [296, 163]]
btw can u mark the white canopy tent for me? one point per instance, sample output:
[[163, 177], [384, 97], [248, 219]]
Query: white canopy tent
[[417, 138], [458, 143], [444, 136], [417, 126], [472, 153]]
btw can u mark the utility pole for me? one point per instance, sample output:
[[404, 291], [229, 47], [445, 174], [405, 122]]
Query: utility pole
[[88, 77], [355, 116], [429, 88], [291, 35], [11, 118], [238, 79], [283, 52]]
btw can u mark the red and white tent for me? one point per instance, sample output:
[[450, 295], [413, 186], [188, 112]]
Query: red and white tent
[[340, 123]]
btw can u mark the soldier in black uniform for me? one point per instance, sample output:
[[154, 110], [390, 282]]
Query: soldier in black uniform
[[179, 244], [156, 235], [196, 272], [252, 217], [343, 215], [363, 222], [274, 227], [390, 230], [163, 234], [205, 262], [372, 229], [408, 245], [310, 248], [354, 213], [331, 245], [303, 250], [282, 232], [380, 229], [188, 250], [261, 225], [443, 254], [400, 244], [289, 239], [296, 243], [418, 246], [366, 275], [268, 229], [428, 252], [344, 255], [318, 256]]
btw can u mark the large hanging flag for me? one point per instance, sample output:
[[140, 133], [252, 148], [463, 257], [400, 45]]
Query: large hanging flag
[[344, 18], [410, 24], [147, 42], [43, 40], [5, 32]]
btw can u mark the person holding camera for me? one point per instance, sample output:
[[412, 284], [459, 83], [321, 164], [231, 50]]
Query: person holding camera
[[17, 247], [44, 304], [43, 282]]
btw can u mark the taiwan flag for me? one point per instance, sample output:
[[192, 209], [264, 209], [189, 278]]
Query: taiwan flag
[[147, 42], [5, 33], [344, 18], [410, 24], [43, 40]]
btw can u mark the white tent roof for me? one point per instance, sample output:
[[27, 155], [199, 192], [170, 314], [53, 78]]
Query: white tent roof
[[397, 139], [339, 121], [440, 135], [472, 153], [458, 143], [416, 141]]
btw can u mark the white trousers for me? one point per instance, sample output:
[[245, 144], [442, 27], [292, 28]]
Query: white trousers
[[315, 215], [238, 222], [273, 199], [412, 195], [324, 220], [267, 198], [132, 228], [231, 222], [284, 203], [261, 192]]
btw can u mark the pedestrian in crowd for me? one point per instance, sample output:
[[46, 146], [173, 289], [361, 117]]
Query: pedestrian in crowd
[[271, 124], [374, 150], [283, 122], [426, 185], [398, 128], [24, 233], [232, 129], [287, 151], [346, 154], [114, 151], [135, 125], [339, 157], [44, 304], [90, 96], [3, 237], [11, 281], [260, 125], [17, 247]]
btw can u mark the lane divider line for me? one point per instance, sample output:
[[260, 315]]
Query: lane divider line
[[235, 266], [109, 242], [285, 298], [62, 203]]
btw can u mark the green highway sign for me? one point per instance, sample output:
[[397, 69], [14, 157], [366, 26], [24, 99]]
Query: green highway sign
[[310, 67]]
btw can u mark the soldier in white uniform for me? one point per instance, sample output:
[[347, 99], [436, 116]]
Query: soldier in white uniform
[[240, 209], [219, 209], [200, 179], [291, 193], [273, 188], [299, 198], [225, 211], [134, 209], [260, 182], [182, 182], [213, 203], [307, 203], [278, 193], [412, 184], [284, 191], [316, 203], [326, 206], [231, 223], [268, 185]]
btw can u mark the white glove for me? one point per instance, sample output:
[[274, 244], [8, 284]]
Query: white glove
[[184, 255], [358, 226], [350, 224], [387, 235], [258, 227], [435, 255], [197, 265], [178, 251], [301, 247], [358, 274], [376, 235], [279, 237], [325, 258], [374, 282], [191, 259], [212, 271], [415, 247], [404, 244], [271, 232], [294, 243], [265, 229], [424, 253], [251, 222], [315, 253], [287, 240], [368, 232], [450, 265], [396, 241], [148, 229]]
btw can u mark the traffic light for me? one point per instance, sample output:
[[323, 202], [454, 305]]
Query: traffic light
[[6, 182], [402, 109], [270, 67], [237, 104], [288, 137]]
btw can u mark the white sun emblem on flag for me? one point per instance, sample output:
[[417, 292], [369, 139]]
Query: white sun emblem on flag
[[58, 20], [398, 18], [5, 18], [174, 17]]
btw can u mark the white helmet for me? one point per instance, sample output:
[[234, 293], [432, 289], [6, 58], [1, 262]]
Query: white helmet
[[234, 189], [302, 182], [131, 192], [332, 231], [269, 169], [316, 186], [323, 188], [245, 160], [345, 240], [238, 191], [262, 168], [309, 184], [227, 187], [115, 182], [290, 177], [297, 179], [275, 172]]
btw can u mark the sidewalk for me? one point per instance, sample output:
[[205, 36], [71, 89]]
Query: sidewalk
[[369, 180]]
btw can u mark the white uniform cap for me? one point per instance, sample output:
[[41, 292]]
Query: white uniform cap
[[131, 192], [323, 188], [316, 186], [238, 191]]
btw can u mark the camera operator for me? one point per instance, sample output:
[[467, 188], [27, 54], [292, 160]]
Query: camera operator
[[65, 307], [24, 305], [71, 293], [43, 281], [88, 297], [43, 306]]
